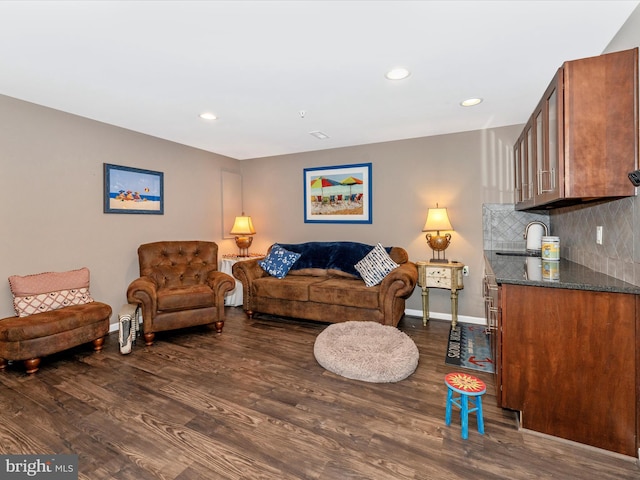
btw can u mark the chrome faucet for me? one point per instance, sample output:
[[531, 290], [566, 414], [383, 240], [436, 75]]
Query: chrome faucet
[[535, 222], [534, 241]]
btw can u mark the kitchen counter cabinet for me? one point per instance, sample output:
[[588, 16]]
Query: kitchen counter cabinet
[[566, 352], [568, 364]]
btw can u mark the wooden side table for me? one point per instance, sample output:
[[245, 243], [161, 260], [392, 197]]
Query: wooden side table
[[440, 275]]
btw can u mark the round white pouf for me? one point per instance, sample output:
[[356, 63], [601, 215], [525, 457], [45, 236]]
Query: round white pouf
[[366, 351]]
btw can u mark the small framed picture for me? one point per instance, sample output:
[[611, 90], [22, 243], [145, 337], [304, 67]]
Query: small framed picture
[[340, 194], [133, 190]]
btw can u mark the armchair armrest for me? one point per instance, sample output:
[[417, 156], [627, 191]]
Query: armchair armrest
[[144, 291], [220, 283]]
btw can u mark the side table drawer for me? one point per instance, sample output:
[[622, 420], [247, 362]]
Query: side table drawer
[[438, 277], [438, 273], [439, 282]]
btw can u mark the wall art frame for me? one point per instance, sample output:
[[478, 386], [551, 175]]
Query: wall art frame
[[133, 190], [338, 194]]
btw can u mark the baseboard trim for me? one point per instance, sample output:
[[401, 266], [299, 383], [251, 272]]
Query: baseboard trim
[[114, 327], [446, 316]]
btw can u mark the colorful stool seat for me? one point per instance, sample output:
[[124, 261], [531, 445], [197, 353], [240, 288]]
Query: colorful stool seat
[[467, 387]]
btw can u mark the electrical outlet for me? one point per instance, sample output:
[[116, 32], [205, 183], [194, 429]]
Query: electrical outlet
[[465, 270], [599, 234]]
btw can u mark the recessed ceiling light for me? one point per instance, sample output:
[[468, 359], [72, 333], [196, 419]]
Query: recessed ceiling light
[[470, 102], [208, 116], [398, 73]]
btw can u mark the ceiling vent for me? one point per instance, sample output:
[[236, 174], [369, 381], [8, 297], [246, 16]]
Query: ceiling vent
[[319, 135]]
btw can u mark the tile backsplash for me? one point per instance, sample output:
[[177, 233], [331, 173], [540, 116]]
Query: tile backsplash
[[503, 226], [503, 229], [576, 227]]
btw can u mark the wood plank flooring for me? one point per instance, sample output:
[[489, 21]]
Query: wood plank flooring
[[252, 403]]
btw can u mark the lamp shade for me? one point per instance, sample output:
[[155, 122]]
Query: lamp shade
[[242, 226], [437, 219]]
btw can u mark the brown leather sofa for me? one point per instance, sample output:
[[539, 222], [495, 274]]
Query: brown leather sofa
[[32, 337], [179, 286], [325, 293]]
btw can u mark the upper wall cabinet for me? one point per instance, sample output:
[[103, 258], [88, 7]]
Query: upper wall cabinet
[[582, 139]]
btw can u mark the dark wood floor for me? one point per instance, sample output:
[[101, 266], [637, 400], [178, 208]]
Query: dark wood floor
[[252, 403]]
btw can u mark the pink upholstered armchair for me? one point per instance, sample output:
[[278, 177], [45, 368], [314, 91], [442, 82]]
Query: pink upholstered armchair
[[179, 286]]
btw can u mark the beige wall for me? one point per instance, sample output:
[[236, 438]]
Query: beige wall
[[459, 171], [51, 198], [53, 218]]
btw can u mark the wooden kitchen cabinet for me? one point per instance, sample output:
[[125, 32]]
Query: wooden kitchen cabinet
[[525, 168], [582, 139], [567, 362]]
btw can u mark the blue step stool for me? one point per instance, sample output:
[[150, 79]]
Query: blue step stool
[[468, 388]]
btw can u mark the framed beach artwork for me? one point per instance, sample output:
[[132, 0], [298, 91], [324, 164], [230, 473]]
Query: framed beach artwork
[[340, 194], [133, 190]]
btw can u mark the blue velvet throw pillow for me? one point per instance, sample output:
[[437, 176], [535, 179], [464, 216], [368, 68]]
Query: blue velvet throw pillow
[[279, 261]]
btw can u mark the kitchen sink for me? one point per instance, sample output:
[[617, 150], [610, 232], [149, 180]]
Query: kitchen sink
[[519, 254]]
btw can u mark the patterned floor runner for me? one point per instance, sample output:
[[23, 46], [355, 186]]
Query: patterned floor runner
[[470, 347]]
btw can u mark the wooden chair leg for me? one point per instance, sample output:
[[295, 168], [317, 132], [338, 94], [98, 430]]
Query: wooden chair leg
[[98, 343], [249, 314], [219, 325], [3, 364], [148, 338], [32, 365]]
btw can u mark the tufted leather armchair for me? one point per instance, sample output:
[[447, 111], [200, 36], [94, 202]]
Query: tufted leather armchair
[[179, 286]]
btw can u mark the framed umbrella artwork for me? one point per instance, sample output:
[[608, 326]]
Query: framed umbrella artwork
[[340, 194]]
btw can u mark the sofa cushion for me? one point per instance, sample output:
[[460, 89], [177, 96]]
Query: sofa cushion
[[44, 292], [288, 288], [344, 291], [375, 266], [279, 261], [340, 256], [185, 298]]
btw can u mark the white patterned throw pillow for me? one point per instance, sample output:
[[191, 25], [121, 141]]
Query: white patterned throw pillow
[[279, 261], [376, 265], [48, 291], [45, 302]]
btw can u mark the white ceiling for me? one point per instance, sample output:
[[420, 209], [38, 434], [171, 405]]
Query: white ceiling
[[154, 66]]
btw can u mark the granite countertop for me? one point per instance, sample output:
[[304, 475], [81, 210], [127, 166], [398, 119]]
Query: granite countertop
[[521, 270]]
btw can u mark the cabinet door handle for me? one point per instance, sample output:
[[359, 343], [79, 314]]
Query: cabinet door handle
[[552, 180], [542, 190], [492, 319], [539, 182]]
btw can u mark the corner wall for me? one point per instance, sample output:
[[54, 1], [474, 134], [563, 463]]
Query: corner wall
[[52, 198], [51, 191]]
